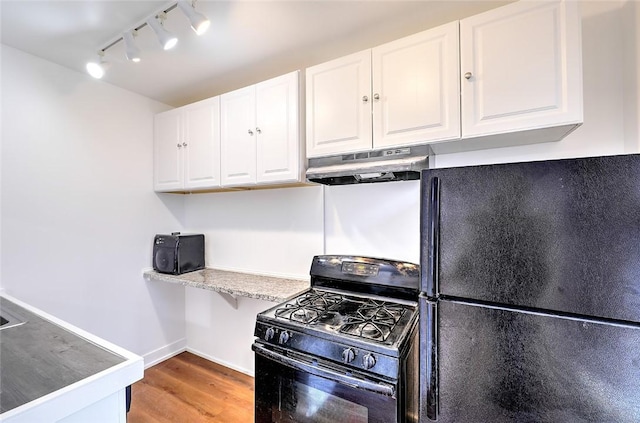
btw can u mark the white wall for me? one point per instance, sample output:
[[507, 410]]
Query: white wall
[[220, 333], [1, 138], [78, 208], [377, 220], [273, 232], [631, 69]]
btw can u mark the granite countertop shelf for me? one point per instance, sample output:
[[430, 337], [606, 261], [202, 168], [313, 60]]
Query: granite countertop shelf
[[235, 284]]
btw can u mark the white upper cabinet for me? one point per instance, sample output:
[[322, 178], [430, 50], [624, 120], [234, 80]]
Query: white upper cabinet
[[187, 147], [260, 135], [167, 151], [338, 112], [401, 93], [278, 155], [202, 139], [521, 70], [238, 135], [415, 89], [509, 76]]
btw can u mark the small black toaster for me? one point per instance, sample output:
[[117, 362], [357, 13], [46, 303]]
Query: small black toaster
[[178, 253]]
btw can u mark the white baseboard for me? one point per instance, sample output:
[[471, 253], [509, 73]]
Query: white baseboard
[[161, 354], [221, 362]]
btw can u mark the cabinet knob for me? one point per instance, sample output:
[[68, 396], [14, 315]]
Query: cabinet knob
[[179, 145], [258, 131], [376, 96], [365, 99], [468, 75], [250, 132], [184, 144]]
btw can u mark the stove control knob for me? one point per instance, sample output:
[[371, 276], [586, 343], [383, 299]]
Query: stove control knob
[[368, 361], [284, 337], [348, 355], [269, 334]]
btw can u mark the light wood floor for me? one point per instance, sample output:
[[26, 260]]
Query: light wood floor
[[189, 389]]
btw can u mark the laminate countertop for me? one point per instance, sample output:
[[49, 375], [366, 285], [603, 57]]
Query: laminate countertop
[[45, 359], [236, 284]]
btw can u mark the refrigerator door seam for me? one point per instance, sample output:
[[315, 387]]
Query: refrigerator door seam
[[541, 312]]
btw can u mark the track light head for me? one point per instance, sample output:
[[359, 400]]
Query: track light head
[[97, 69], [199, 22], [167, 39], [132, 52]]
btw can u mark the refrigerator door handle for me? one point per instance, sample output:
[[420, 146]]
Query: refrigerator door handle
[[428, 401], [430, 284]]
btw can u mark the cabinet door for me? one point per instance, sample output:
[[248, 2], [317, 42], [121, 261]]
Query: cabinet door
[[278, 150], [167, 151], [521, 68], [415, 88], [339, 105], [238, 137], [201, 144]]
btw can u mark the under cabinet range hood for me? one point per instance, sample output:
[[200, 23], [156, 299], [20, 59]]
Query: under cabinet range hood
[[390, 164]]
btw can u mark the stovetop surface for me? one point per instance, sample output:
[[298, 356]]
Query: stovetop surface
[[345, 318]]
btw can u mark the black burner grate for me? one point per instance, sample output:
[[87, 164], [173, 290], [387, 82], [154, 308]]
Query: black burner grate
[[308, 308], [365, 318], [373, 320]]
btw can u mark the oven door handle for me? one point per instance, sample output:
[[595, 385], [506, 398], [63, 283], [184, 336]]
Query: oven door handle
[[377, 387]]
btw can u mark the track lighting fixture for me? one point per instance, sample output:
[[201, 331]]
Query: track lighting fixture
[[132, 52], [199, 22], [97, 69], [167, 39]]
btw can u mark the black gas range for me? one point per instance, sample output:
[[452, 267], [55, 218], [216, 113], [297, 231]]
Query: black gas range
[[344, 350]]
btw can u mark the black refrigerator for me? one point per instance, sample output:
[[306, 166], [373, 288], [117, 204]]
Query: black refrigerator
[[530, 302]]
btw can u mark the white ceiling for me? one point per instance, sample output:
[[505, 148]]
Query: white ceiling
[[248, 41]]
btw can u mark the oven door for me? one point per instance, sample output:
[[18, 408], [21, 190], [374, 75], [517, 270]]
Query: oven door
[[291, 387]]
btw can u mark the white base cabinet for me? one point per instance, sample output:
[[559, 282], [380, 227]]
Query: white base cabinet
[[187, 147], [260, 133]]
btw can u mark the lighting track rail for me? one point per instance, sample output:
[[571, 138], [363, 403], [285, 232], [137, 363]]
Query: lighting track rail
[[199, 23]]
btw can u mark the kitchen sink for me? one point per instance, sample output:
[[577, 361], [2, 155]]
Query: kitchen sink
[[9, 319]]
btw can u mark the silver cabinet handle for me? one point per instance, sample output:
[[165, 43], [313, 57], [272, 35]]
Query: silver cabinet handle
[[365, 99], [376, 96], [468, 75], [250, 132], [184, 144], [258, 131]]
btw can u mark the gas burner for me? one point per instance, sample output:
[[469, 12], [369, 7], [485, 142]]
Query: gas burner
[[373, 320], [317, 299], [308, 308], [298, 313], [381, 311]]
